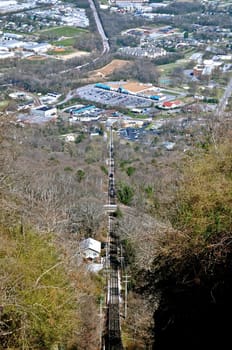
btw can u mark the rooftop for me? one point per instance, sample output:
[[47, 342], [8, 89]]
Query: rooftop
[[44, 108]]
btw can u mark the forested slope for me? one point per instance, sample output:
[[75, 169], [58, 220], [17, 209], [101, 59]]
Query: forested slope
[[192, 267], [174, 222], [52, 196], [49, 202]]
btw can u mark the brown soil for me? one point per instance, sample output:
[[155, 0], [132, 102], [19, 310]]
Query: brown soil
[[37, 58], [111, 67], [133, 86], [58, 49]]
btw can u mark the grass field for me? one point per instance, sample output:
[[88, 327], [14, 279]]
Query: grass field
[[63, 31], [166, 69], [64, 42]]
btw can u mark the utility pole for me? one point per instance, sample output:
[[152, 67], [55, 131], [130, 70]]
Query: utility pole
[[126, 283], [100, 316]]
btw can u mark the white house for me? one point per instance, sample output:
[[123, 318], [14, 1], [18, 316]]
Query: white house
[[90, 248]]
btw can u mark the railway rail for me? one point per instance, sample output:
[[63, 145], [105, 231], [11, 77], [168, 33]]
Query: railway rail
[[112, 335]]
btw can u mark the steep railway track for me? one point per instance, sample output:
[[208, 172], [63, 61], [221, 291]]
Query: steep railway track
[[112, 335]]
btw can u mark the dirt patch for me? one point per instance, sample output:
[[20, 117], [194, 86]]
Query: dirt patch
[[73, 55], [36, 58], [58, 49], [133, 86], [111, 67]]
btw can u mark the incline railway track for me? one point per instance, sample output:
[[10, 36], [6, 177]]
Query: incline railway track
[[112, 335]]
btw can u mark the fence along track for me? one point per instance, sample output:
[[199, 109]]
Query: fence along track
[[112, 337]]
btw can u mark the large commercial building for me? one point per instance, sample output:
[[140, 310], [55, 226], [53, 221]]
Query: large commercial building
[[45, 111]]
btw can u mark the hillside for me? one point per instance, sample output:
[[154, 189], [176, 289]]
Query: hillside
[[115, 130], [174, 226], [49, 202], [191, 270], [52, 196]]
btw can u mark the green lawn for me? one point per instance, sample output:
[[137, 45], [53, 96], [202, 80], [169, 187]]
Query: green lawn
[[64, 42], [63, 31], [166, 69]]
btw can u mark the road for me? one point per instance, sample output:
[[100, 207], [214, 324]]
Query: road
[[105, 42], [224, 100]]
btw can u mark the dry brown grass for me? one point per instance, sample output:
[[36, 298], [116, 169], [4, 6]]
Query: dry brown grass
[[36, 58], [73, 55], [111, 67]]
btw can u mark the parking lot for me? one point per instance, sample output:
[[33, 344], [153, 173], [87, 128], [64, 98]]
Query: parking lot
[[109, 95], [112, 98]]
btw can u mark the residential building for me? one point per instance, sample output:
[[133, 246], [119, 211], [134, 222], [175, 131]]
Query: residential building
[[91, 248], [171, 104]]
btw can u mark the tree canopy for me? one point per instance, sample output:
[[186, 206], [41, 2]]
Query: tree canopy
[[192, 266], [37, 300]]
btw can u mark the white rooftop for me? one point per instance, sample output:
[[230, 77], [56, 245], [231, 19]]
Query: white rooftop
[[92, 244]]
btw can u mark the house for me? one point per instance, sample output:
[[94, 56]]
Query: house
[[171, 104], [90, 248]]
